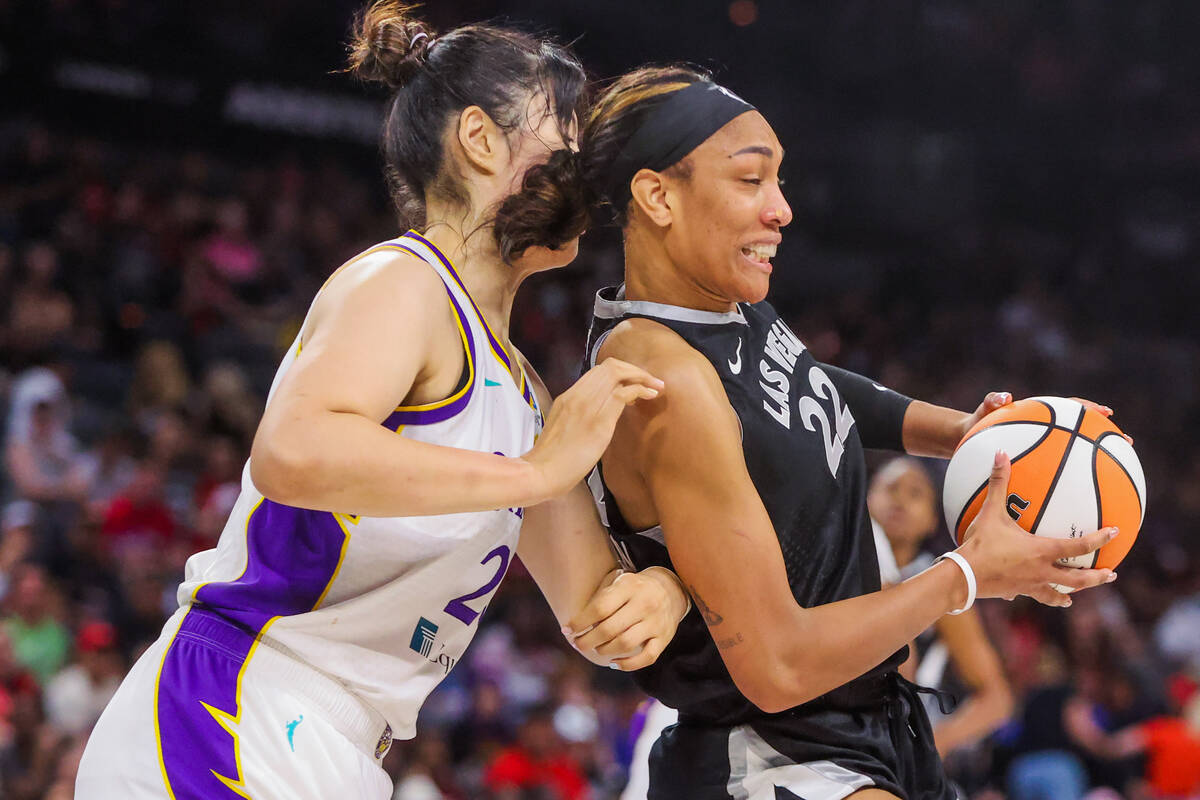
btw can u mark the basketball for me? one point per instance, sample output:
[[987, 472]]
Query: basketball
[[1073, 472]]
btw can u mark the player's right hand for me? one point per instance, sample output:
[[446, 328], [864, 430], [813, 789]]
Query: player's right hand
[[1008, 560], [581, 423]]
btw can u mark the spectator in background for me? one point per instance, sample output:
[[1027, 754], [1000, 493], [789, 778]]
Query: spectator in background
[[40, 641], [138, 517], [41, 455], [160, 382], [16, 539], [77, 695], [425, 767], [41, 313], [18, 687], [538, 761], [110, 468]]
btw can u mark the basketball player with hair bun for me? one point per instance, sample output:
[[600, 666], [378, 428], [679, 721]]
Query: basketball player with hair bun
[[402, 451], [746, 476]]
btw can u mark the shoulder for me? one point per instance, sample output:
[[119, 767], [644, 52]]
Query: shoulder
[[693, 399], [382, 284], [659, 350], [384, 269]]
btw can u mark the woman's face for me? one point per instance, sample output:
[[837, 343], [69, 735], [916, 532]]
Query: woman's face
[[727, 210], [902, 501]]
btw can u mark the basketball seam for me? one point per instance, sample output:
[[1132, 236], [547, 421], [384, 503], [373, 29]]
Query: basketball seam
[[1006, 423], [1062, 464], [1050, 428], [1120, 466]]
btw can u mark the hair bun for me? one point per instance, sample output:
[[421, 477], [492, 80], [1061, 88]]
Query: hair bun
[[389, 45]]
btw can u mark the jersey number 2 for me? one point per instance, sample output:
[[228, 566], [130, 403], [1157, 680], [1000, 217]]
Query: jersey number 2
[[458, 607], [834, 433]]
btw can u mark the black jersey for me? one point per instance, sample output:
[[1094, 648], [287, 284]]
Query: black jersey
[[804, 425]]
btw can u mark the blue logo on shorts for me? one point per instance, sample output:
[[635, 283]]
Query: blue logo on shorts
[[291, 728], [422, 638]]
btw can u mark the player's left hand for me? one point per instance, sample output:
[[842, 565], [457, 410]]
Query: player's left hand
[[631, 621], [997, 400], [991, 402]]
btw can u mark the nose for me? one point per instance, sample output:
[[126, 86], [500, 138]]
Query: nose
[[776, 211]]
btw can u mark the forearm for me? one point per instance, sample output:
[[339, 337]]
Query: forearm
[[977, 716], [565, 549], [931, 430], [343, 462], [834, 643]]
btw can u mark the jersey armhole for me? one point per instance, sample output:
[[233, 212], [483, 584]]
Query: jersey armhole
[[456, 401]]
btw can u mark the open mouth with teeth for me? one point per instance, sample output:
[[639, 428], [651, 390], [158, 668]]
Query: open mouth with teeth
[[762, 253]]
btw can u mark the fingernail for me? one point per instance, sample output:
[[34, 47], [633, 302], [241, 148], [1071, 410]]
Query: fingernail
[[1112, 576], [1106, 410], [567, 632], [1112, 533], [613, 666], [1067, 604], [1000, 456], [1003, 397]]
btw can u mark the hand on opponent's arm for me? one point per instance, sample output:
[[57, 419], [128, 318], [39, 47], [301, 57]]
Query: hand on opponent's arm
[[320, 444], [613, 618]]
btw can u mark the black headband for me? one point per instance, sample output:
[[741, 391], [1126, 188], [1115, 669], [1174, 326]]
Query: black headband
[[671, 131]]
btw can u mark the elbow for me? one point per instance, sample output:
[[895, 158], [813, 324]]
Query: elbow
[[280, 471], [774, 685]]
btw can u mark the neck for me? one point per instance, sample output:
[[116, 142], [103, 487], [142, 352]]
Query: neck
[[904, 553], [651, 274], [491, 283]]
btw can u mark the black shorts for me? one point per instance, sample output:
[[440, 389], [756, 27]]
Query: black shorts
[[810, 753]]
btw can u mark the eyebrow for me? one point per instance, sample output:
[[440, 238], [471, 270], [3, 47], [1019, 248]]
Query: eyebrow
[[757, 149]]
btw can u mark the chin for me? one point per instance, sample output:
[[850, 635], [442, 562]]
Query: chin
[[540, 259], [754, 289]]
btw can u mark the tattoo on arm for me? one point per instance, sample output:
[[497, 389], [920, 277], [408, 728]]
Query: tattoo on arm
[[711, 617], [732, 641]]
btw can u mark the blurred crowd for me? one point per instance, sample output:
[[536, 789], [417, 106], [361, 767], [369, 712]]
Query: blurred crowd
[[148, 291]]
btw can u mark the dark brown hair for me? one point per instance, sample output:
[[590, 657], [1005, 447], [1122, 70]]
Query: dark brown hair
[[615, 118], [433, 78]]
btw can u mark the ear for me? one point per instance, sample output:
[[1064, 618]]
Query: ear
[[482, 141], [650, 195]]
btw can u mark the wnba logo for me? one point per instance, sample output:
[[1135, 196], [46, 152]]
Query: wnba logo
[[423, 635], [1016, 506]]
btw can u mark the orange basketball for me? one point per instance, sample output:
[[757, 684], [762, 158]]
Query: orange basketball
[[1072, 473]]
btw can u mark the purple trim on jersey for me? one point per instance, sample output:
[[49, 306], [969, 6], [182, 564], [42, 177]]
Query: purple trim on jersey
[[637, 723], [492, 340], [428, 416], [291, 556], [497, 348], [201, 665]]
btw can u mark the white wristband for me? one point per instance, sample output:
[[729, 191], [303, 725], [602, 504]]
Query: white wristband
[[967, 572]]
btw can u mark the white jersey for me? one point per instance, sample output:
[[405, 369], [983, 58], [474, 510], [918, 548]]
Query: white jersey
[[385, 605]]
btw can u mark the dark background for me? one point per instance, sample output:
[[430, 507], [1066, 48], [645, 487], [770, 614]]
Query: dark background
[[987, 197]]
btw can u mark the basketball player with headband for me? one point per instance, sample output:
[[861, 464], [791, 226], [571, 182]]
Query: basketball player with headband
[[746, 476]]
